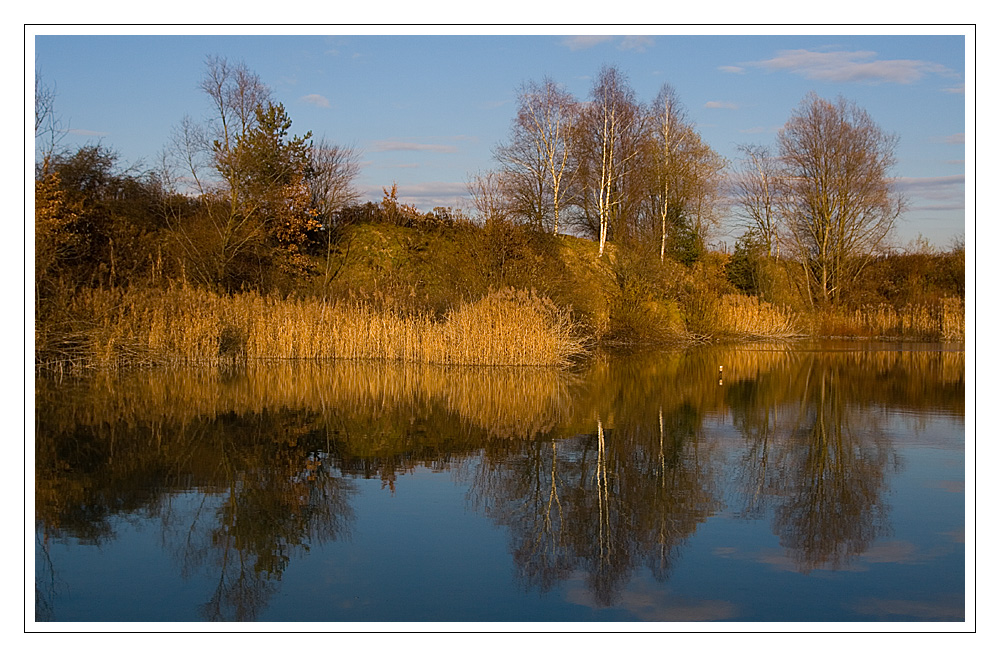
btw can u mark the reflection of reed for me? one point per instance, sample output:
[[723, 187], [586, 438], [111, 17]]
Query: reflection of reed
[[515, 402]]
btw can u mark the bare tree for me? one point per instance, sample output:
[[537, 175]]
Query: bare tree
[[680, 177], [48, 131], [668, 119], [614, 127], [333, 169], [841, 205], [249, 176], [490, 195], [331, 181], [758, 188], [523, 162], [546, 117]]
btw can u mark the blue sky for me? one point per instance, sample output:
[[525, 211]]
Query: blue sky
[[425, 111]]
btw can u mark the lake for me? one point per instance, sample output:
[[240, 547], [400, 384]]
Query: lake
[[801, 483]]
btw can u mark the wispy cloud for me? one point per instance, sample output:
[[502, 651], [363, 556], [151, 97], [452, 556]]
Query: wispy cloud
[[950, 189], [732, 69], [316, 99], [957, 138], [384, 146], [427, 196], [855, 66], [639, 43], [636, 42], [719, 104], [584, 41]]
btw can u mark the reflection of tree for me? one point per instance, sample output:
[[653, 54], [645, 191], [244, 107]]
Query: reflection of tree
[[601, 473], [821, 461], [603, 503], [272, 472], [837, 458], [279, 497]]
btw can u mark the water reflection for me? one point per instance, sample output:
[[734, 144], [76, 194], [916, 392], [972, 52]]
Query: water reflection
[[599, 473], [603, 503]]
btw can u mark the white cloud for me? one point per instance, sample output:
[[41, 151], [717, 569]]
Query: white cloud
[[427, 196], [957, 138], [584, 41], [732, 69], [316, 99], [936, 188], [636, 42], [639, 43], [383, 146], [719, 104], [856, 66]]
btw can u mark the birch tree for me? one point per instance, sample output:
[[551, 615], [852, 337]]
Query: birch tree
[[668, 121], [547, 117], [681, 177], [614, 127]]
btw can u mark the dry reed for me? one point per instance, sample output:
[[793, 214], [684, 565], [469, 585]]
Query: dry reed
[[187, 326], [944, 320], [749, 317]]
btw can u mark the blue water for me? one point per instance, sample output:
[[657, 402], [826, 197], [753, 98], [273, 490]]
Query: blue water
[[427, 516]]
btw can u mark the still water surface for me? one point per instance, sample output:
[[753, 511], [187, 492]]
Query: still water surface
[[807, 483]]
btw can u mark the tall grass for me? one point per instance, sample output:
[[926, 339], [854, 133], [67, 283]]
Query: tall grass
[[944, 320], [736, 316], [183, 325]]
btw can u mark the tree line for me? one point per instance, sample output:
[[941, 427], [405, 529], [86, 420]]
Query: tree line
[[238, 201]]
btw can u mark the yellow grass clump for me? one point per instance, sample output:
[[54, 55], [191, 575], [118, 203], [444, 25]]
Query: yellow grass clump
[[183, 325], [944, 320], [749, 317]]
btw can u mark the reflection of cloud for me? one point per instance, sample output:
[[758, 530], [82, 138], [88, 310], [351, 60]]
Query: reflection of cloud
[[898, 552], [893, 552], [857, 66], [786, 561], [383, 146], [957, 535], [946, 609], [649, 603], [950, 486]]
